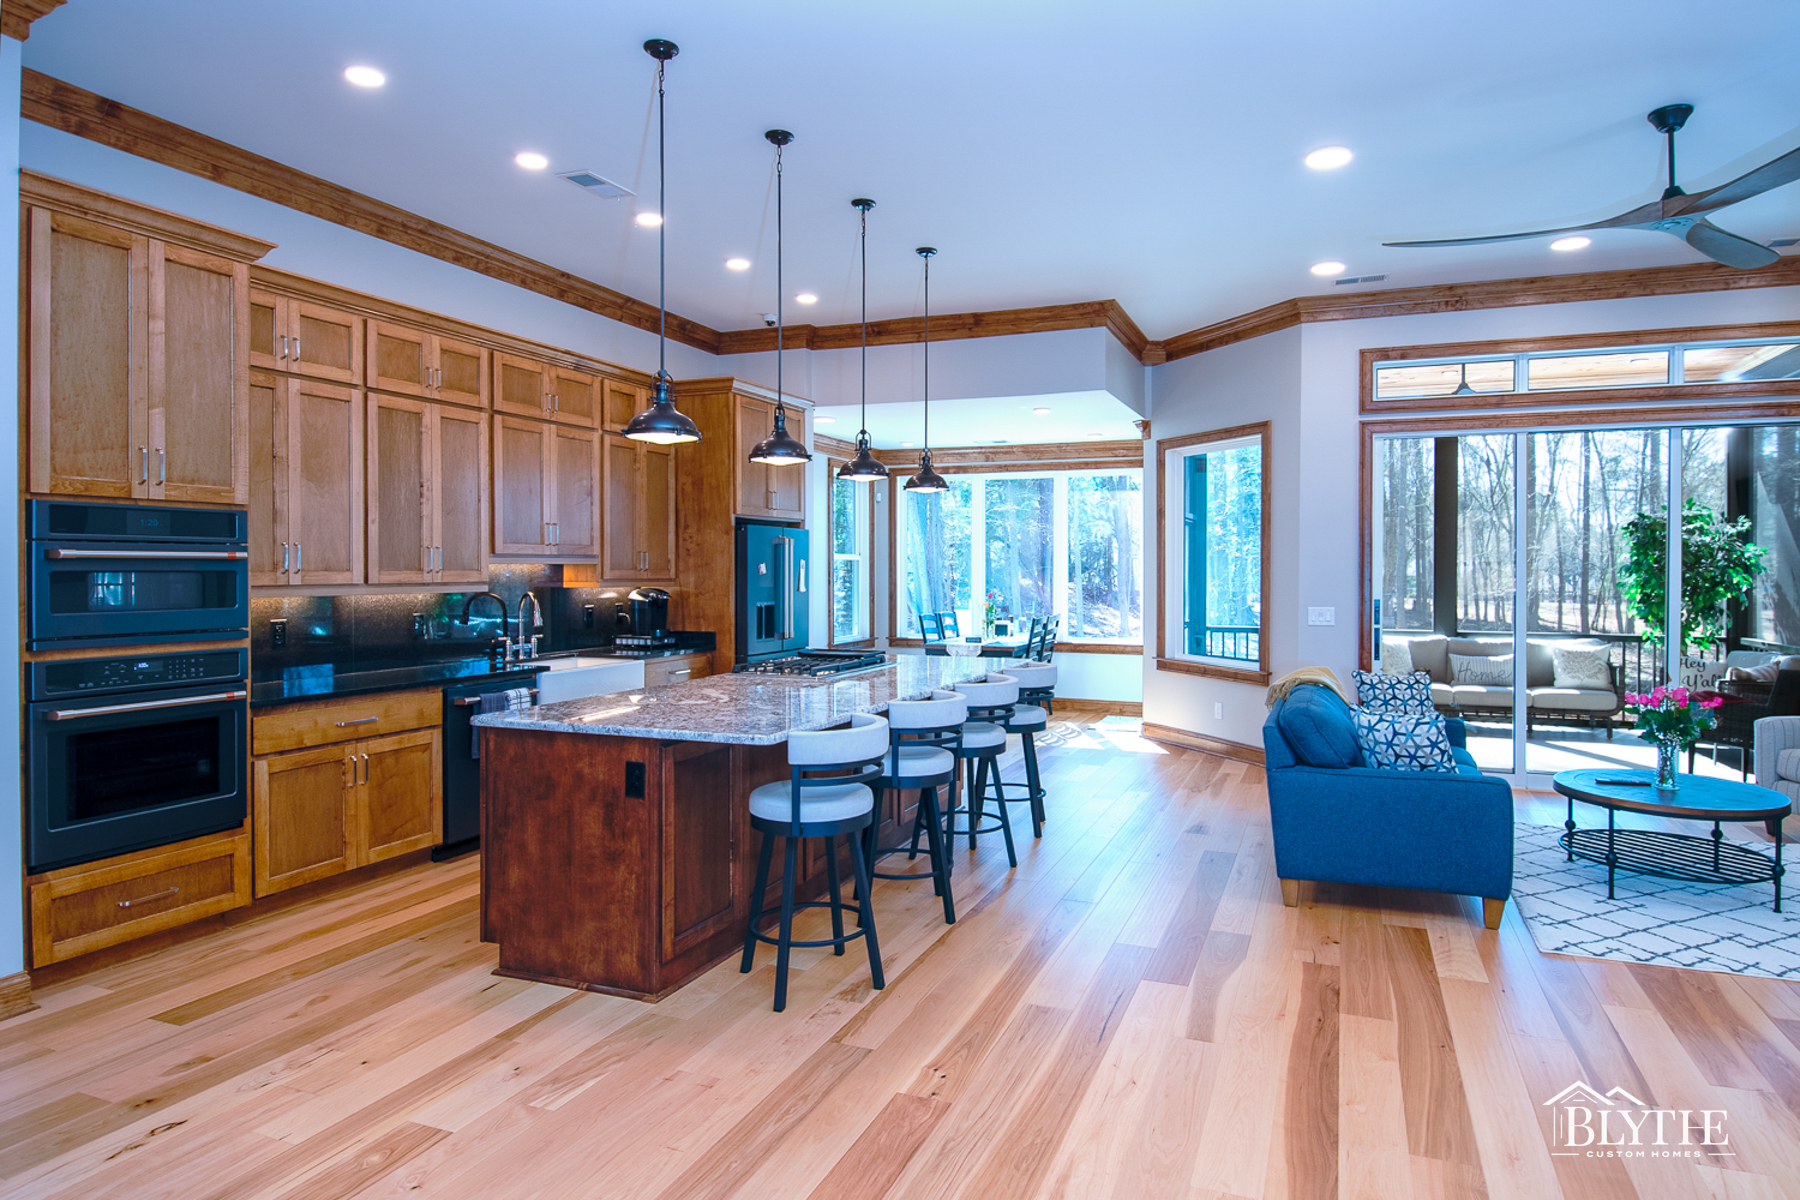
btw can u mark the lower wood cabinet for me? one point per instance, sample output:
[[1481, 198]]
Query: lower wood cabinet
[[676, 669], [93, 905]]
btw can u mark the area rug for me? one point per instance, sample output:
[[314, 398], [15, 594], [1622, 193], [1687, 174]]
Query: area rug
[[1702, 927]]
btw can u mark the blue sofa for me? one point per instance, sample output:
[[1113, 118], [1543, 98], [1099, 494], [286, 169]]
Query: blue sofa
[[1339, 821]]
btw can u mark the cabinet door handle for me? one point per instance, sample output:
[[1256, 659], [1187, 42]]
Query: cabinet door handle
[[144, 464], [162, 465], [358, 721], [168, 891], [683, 671], [284, 557], [365, 766], [296, 349], [297, 556], [283, 353]]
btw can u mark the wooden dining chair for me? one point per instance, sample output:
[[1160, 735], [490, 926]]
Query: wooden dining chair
[[931, 630], [948, 624], [1025, 650]]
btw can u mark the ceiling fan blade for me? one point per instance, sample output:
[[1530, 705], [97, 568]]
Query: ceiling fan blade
[[1728, 248], [1643, 216], [1771, 174]]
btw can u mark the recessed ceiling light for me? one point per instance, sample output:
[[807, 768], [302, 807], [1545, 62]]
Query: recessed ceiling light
[[1096, 435], [737, 264], [1328, 268], [649, 220], [906, 445], [1042, 412], [530, 161], [1571, 243], [1329, 158], [806, 298], [367, 77], [824, 420]]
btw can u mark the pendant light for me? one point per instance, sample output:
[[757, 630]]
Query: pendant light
[[927, 480], [864, 468], [662, 423], [780, 448], [1463, 388]]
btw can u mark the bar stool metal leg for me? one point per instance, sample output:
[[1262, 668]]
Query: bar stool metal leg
[[940, 858], [859, 866], [756, 901], [790, 863], [837, 899]]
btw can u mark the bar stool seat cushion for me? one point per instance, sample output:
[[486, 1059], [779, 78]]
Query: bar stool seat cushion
[[775, 802], [977, 735], [1027, 716], [917, 762]]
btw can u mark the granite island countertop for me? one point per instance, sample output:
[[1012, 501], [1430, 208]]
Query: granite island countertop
[[749, 710]]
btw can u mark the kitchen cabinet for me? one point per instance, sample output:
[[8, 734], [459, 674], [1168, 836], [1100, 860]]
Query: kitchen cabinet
[[546, 490], [413, 362], [530, 388], [304, 337], [135, 364], [619, 402], [680, 668], [775, 492], [639, 541], [306, 482], [427, 492]]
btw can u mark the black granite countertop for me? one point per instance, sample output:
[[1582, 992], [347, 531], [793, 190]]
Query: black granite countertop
[[283, 685]]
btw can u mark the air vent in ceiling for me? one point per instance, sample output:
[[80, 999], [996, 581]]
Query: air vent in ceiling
[[596, 185], [1359, 279], [1785, 242]]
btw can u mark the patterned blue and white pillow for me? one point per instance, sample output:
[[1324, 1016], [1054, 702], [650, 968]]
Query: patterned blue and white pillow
[[1403, 741], [1380, 691]]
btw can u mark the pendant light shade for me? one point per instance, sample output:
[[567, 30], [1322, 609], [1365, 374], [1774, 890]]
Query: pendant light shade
[[864, 468], [780, 448], [926, 479], [662, 422]]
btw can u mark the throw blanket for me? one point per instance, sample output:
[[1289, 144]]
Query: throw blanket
[[511, 700], [1293, 679]]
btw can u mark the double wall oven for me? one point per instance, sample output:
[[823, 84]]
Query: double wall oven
[[137, 748]]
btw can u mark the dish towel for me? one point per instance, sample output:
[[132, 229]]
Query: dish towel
[[510, 700]]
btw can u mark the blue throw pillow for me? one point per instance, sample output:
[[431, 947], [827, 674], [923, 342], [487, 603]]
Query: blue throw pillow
[[1403, 741], [1316, 723], [1379, 691]]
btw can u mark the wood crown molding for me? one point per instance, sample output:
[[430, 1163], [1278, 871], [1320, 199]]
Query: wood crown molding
[[16, 16], [76, 200], [1050, 454], [1007, 322], [835, 447]]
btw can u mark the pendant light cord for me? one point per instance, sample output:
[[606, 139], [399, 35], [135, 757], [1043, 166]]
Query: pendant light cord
[[928, 356], [780, 410], [662, 229], [865, 325]]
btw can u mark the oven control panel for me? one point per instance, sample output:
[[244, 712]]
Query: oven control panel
[[132, 673]]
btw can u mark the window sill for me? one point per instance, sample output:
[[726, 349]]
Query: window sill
[[1059, 648], [1213, 671]]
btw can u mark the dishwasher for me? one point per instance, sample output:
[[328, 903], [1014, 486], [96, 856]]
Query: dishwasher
[[462, 774]]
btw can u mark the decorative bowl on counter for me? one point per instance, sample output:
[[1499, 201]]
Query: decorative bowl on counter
[[963, 649]]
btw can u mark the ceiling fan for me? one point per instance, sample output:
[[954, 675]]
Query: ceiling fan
[[1677, 212]]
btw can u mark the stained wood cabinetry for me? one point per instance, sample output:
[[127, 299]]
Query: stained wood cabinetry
[[332, 801], [639, 505], [414, 362], [676, 669], [528, 387], [619, 402], [306, 473], [427, 492], [546, 490], [305, 337], [778, 493]]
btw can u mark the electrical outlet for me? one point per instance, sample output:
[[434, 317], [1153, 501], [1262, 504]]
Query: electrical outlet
[[1321, 616], [1218, 711], [278, 632], [634, 780], [587, 616]]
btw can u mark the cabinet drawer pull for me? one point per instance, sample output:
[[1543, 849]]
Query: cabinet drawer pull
[[296, 556], [365, 765], [683, 671], [358, 721], [170, 891], [144, 465], [296, 349], [284, 342], [284, 557], [162, 465]]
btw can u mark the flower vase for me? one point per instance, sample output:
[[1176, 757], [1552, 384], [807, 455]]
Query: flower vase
[[1668, 763]]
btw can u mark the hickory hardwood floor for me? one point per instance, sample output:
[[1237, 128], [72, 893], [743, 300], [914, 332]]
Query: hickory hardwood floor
[[1132, 1013]]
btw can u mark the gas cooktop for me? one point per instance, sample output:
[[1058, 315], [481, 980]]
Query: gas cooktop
[[814, 662]]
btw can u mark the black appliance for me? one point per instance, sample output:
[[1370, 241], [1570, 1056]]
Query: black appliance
[[814, 662], [462, 772], [644, 618], [127, 575], [771, 591], [129, 753]]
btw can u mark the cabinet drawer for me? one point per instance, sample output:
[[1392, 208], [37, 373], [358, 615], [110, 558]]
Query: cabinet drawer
[[86, 907], [322, 722], [660, 671]]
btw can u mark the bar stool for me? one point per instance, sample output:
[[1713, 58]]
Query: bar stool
[[1027, 720], [1041, 691], [983, 742], [811, 804], [923, 737]]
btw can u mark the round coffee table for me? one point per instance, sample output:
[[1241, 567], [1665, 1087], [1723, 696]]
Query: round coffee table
[[1673, 855]]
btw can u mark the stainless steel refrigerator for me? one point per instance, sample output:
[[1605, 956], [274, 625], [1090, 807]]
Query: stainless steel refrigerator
[[771, 591]]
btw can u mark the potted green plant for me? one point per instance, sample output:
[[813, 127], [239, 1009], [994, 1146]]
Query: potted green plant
[[1719, 564]]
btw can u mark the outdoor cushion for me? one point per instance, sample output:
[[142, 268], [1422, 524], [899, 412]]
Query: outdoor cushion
[[1477, 696], [1443, 693], [1396, 656], [1490, 670], [1403, 741], [1382, 692], [1428, 654], [1787, 765], [1316, 723], [1576, 699], [1579, 666]]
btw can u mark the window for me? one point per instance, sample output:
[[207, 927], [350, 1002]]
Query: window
[[1017, 545], [849, 561], [1212, 543]]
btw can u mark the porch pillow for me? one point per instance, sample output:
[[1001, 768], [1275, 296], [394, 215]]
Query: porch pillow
[[1378, 691], [1586, 667], [1396, 656], [1403, 741], [1760, 674], [1486, 670]]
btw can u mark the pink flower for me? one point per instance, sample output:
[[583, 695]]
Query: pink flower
[[1656, 697], [1679, 695], [1633, 698], [1713, 702]]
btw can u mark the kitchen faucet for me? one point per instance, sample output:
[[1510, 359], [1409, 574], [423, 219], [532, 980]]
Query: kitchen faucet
[[505, 640], [529, 649]]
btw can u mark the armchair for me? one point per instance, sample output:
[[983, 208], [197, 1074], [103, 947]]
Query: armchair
[[1778, 758]]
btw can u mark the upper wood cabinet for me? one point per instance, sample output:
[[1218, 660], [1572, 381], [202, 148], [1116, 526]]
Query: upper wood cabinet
[[528, 387], [764, 490], [639, 539], [546, 491], [413, 362], [427, 492], [135, 364], [306, 469], [619, 402], [306, 338]]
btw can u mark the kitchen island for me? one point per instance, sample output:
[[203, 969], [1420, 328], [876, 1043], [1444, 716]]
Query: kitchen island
[[616, 849]]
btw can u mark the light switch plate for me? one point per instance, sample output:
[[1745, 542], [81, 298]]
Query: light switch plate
[[1218, 711], [1321, 616]]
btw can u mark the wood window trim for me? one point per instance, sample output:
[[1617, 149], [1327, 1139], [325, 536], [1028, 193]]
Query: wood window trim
[[1685, 414], [1676, 393], [1264, 432]]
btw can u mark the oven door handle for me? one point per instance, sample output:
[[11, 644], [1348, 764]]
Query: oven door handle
[[70, 714], [126, 555]]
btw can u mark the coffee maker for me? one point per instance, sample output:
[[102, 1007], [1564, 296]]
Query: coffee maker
[[644, 619]]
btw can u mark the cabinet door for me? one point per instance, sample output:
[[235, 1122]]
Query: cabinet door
[[400, 516], [398, 802], [520, 386], [754, 420], [300, 816], [656, 510], [268, 331], [619, 402], [460, 372], [624, 556], [399, 359], [197, 377], [522, 486], [574, 396], [787, 483], [323, 516], [460, 495], [270, 555], [326, 342], [88, 313], [576, 528]]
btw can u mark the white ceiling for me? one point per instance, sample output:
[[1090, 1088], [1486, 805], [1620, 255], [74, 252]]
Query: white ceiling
[[1054, 151], [1074, 417]]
